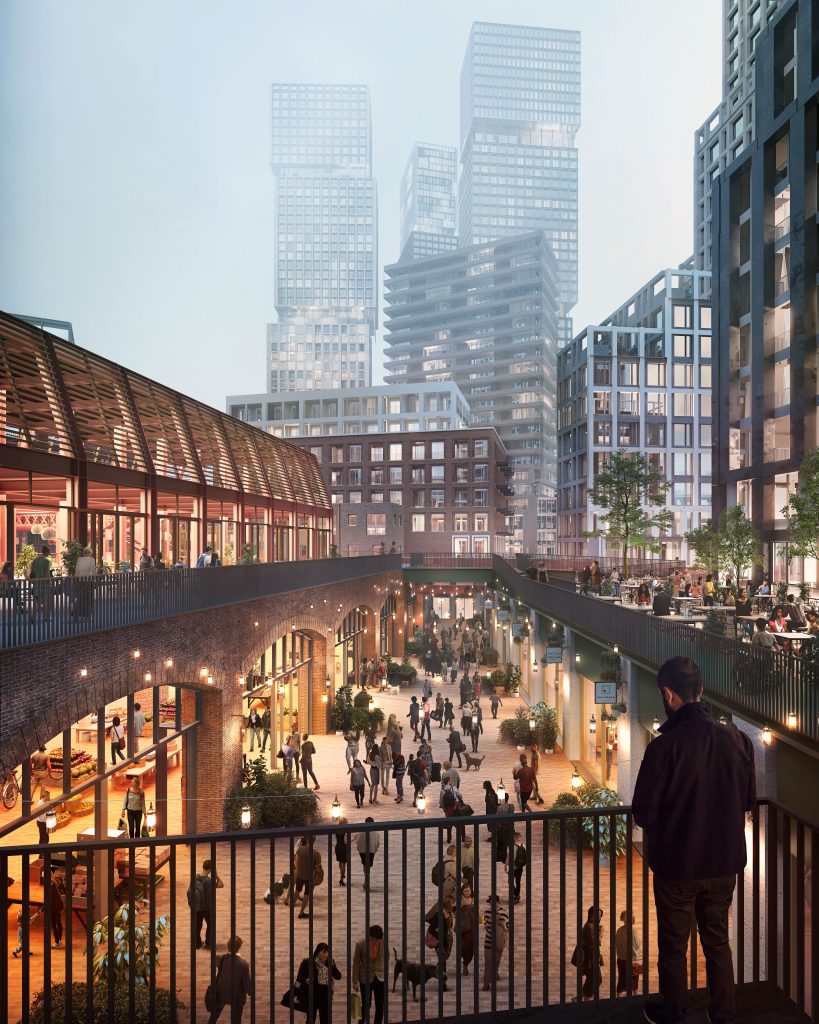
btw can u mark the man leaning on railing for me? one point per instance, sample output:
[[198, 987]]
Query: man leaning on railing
[[695, 786]]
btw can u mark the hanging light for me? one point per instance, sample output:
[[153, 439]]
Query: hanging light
[[592, 725], [327, 681], [655, 725], [246, 816], [83, 672], [792, 721], [203, 672], [501, 792], [577, 782], [51, 820], [767, 736], [723, 720], [137, 653], [532, 722], [150, 818], [169, 663], [281, 689], [241, 680], [147, 677], [422, 803], [335, 809], [577, 659]]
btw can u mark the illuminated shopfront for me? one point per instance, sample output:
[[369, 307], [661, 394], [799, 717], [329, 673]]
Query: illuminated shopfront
[[96, 453]]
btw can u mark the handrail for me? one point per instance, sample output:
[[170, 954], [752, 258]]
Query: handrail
[[35, 611]]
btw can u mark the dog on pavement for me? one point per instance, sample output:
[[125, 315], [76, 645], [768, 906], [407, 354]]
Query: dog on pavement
[[412, 974], [473, 760]]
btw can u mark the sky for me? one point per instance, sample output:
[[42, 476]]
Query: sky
[[135, 181]]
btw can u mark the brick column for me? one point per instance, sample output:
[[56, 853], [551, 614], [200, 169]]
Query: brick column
[[318, 709], [217, 757]]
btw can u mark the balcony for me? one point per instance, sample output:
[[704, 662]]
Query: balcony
[[773, 924], [56, 609]]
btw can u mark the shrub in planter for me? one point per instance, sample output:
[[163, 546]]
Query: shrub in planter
[[555, 636], [402, 672], [804, 593], [362, 700], [79, 994], [498, 679], [512, 679], [546, 728], [599, 796], [486, 685], [565, 802], [516, 730], [489, 657], [274, 798], [412, 647], [716, 621]]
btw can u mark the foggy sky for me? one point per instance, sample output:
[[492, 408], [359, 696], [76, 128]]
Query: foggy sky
[[135, 182]]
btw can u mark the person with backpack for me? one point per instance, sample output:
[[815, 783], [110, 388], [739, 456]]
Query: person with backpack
[[450, 802], [201, 899], [399, 769], [520, 859]]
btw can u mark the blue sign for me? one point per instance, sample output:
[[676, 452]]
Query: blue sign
[[554, 655], [605, 693]]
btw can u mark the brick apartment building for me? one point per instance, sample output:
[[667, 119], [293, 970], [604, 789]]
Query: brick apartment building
[[435, 491]]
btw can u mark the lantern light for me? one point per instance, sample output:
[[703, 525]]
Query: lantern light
[[592, 725], [203, 672], [241, 680], [209, 680], [83, 672], [327, 682], [501, 792], [256, 624], [335, 809], [655, 725], [281, 689], [324, 698], [137, 653], [422, 803], [169, 663], [532, 722], [51, 820], [723, 720], [147, 677], [577, 782], [767, 736], [616, 648], [246, 816], [577, 659], [792, 721], [150, 818]]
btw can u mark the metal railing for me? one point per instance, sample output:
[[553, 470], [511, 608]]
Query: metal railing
[[768, 685], [432, 560], [426, 942], [575, 563], [33, 611]]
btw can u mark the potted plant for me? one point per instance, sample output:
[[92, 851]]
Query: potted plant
[[72, 549], [498, 680], [716, 621], [402, 672], [341, 713], [489, 657], [512, 680]]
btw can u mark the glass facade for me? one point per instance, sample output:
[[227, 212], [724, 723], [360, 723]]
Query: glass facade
[[429, 199], [326, 228], [520, 112]]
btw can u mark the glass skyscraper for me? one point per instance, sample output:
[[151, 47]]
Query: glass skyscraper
[[520, 112], [326, 229], [429, 202]]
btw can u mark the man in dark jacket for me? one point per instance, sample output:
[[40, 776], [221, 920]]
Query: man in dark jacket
[[662, 603], [695, 785]]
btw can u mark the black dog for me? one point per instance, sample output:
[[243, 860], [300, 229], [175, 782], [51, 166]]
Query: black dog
[[412, 974]]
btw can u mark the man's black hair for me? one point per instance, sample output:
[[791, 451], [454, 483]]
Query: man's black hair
[[376, 931], [682, 675], [760, 623]]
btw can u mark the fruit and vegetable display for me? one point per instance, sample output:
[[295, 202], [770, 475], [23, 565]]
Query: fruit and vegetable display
[[82, 763]]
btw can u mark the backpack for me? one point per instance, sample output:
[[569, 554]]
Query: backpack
[[318, 874], [196, 894], [520, 857], [447, 799]]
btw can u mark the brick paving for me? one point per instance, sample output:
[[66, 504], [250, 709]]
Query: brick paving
[[545, 922]]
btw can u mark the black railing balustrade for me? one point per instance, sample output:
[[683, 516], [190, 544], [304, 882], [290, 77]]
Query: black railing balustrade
[[438, 957], [771, 686], [33, 611]]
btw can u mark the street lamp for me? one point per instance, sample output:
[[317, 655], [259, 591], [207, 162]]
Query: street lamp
[[792, 720], [327, 682], [246, 816], [532, 722], [501, 792], [577, 782], [335, 809]]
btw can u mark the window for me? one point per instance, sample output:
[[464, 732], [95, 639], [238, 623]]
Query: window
[[397, 497], [683, 435], [352, 519], [683, 375], [376, 524], [602, 403], [460, 522], [655, 403], [683, 463], [336, 477], [481, 449], [705, 406], [462, 474], [602, 372], [376, 453], [395, 452], [417, 475], [437, 498], [481, 497], [681, 494], [436, 523], [705, 346], [655, 375], [705, 464], [336, 453], [317, 453], [705, 316], [602, 434], [683, 346], [377, 497], [355, 477], [396, 475], [376, 477], [418, 499], [461, 450], [419, 451], [354, 498], [436, 474], [355, 453], [481, 522], [460, 500], [629, 403], [682, 316], [437, 450], [655, 435], [628, 434], [352, 550], [418, 522], [705, 376], [705, 435], [482, 472], [683, 404], [629, 373]]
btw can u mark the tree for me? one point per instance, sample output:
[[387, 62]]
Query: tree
[[632, 495], [802, 511], [704, 542], [738, 542], [146, 946]]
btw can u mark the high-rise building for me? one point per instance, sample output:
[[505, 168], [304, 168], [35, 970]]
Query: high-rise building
[[326, 231], [639, 381], [730, 128], [429, 202], [765, 290], [520, 112], [485, 317]]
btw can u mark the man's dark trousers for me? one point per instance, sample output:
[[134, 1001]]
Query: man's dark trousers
[[709, 900]]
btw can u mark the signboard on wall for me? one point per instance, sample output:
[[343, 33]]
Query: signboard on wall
[[605, 693], [554, 655], [517, 629], [503, 614]]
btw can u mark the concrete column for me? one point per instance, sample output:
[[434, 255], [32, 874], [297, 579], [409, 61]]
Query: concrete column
[[571, 701], [764, 759], [632, 739]]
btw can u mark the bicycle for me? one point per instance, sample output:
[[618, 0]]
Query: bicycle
[[11, 790]]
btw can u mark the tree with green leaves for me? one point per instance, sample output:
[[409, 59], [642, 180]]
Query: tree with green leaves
[[704, 542], [738, 547], [631, 495], [802, 511]]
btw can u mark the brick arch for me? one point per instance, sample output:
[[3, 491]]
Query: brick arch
[[313, 624]]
